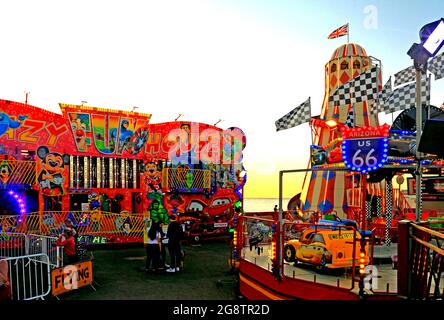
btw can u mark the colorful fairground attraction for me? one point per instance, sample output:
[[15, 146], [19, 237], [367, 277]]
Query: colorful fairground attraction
[[352, 232], [112, 172]]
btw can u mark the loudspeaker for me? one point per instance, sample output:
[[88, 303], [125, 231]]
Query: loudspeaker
[[432, 138]]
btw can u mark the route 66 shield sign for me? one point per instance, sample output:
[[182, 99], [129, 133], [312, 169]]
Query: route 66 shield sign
[[365, 154]]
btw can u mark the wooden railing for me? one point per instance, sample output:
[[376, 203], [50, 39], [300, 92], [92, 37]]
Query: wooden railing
[[420, 262]]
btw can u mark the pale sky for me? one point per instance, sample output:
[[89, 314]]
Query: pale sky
[[246, 62]]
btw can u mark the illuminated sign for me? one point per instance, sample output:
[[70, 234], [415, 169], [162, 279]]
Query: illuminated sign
[[71, 277], [90, 239], [221, 224], [343, 235], [365, 149]]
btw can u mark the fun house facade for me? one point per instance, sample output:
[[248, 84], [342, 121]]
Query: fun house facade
[[93, 160]]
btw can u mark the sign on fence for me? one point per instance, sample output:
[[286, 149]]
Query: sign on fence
[[71, 277]]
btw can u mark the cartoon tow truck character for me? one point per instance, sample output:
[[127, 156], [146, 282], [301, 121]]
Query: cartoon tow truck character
[[208, 217], [325, 248]]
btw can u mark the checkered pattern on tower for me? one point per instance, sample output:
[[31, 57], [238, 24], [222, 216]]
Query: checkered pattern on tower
[[405, 97], [368, 209], [379, 206], [363, 87], [297, 116], [350, 122], [388, 210], [382, 97], [436, 66], [405, 76]]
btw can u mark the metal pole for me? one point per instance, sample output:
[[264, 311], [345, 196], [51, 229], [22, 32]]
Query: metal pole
[[418, 172], [279, 247]]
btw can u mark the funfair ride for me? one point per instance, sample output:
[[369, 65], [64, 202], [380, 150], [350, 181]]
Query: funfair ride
[[348, 204], [112, 173]]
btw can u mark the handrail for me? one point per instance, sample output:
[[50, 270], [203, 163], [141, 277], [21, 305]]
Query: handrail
[[428, 245], [429, 231]]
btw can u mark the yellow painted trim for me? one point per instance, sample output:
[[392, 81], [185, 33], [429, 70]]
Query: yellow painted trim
[[256, 287], [80, 108]]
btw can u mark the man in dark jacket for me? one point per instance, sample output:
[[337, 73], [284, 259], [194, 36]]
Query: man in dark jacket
[[174, 235]]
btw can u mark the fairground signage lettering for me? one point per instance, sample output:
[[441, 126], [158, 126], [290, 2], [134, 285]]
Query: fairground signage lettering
[[90, 239], [365, 149], [71, 277]]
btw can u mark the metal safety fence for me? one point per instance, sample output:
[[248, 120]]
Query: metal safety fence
[[28, 277], [12, 244], [19, 244], [36, 244]]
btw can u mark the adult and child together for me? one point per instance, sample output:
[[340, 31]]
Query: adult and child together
[[155, 248], [156, 251]]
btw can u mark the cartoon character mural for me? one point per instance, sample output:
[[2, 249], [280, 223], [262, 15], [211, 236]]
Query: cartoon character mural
[[152, 177], [176, 202], [96, 214], [7, 123], [123, 222], [52, 174], [80, 125], [7, 166], [138, 140], [158, 213], [94, 203], [124, 137]]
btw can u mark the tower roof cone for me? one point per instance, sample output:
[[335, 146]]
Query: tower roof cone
[[349, 50]]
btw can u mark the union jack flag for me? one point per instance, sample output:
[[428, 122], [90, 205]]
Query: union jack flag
[[342, 31]]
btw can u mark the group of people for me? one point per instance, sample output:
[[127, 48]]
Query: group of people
[[157, 243]]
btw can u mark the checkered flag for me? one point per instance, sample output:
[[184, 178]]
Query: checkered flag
[[382, 97], [363, 87], [436, 66], [297, 116], [405, 97], [405, 76], [350, 122]]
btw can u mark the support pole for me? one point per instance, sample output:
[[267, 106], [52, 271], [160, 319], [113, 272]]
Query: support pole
[[280, 224], [388, 210], [418, 171]]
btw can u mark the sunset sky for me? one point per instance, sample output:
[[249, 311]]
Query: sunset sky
[[247, 62]]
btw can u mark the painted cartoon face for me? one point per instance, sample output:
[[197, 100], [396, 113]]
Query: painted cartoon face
[[79, 130], [185, 127], [53, 163], [151, 169], [4, 172], [220, 202], [155, 205], [196, 206]]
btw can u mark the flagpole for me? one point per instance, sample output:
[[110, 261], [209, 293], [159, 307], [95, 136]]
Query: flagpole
[[348, 33]]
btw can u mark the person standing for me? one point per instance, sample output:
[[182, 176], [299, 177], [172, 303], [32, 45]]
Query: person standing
[[163, 247], [5, 284], [174, 235], [70, 225], [67, 241], [153, 247]]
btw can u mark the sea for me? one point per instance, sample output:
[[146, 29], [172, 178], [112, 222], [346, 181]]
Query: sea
[[263, 204]]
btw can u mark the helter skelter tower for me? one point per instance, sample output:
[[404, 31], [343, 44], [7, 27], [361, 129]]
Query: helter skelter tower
[[328, 191]]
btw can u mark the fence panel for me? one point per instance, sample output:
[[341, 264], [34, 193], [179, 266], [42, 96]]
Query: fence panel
[[29, 276], [12, 244], [36, 244]]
